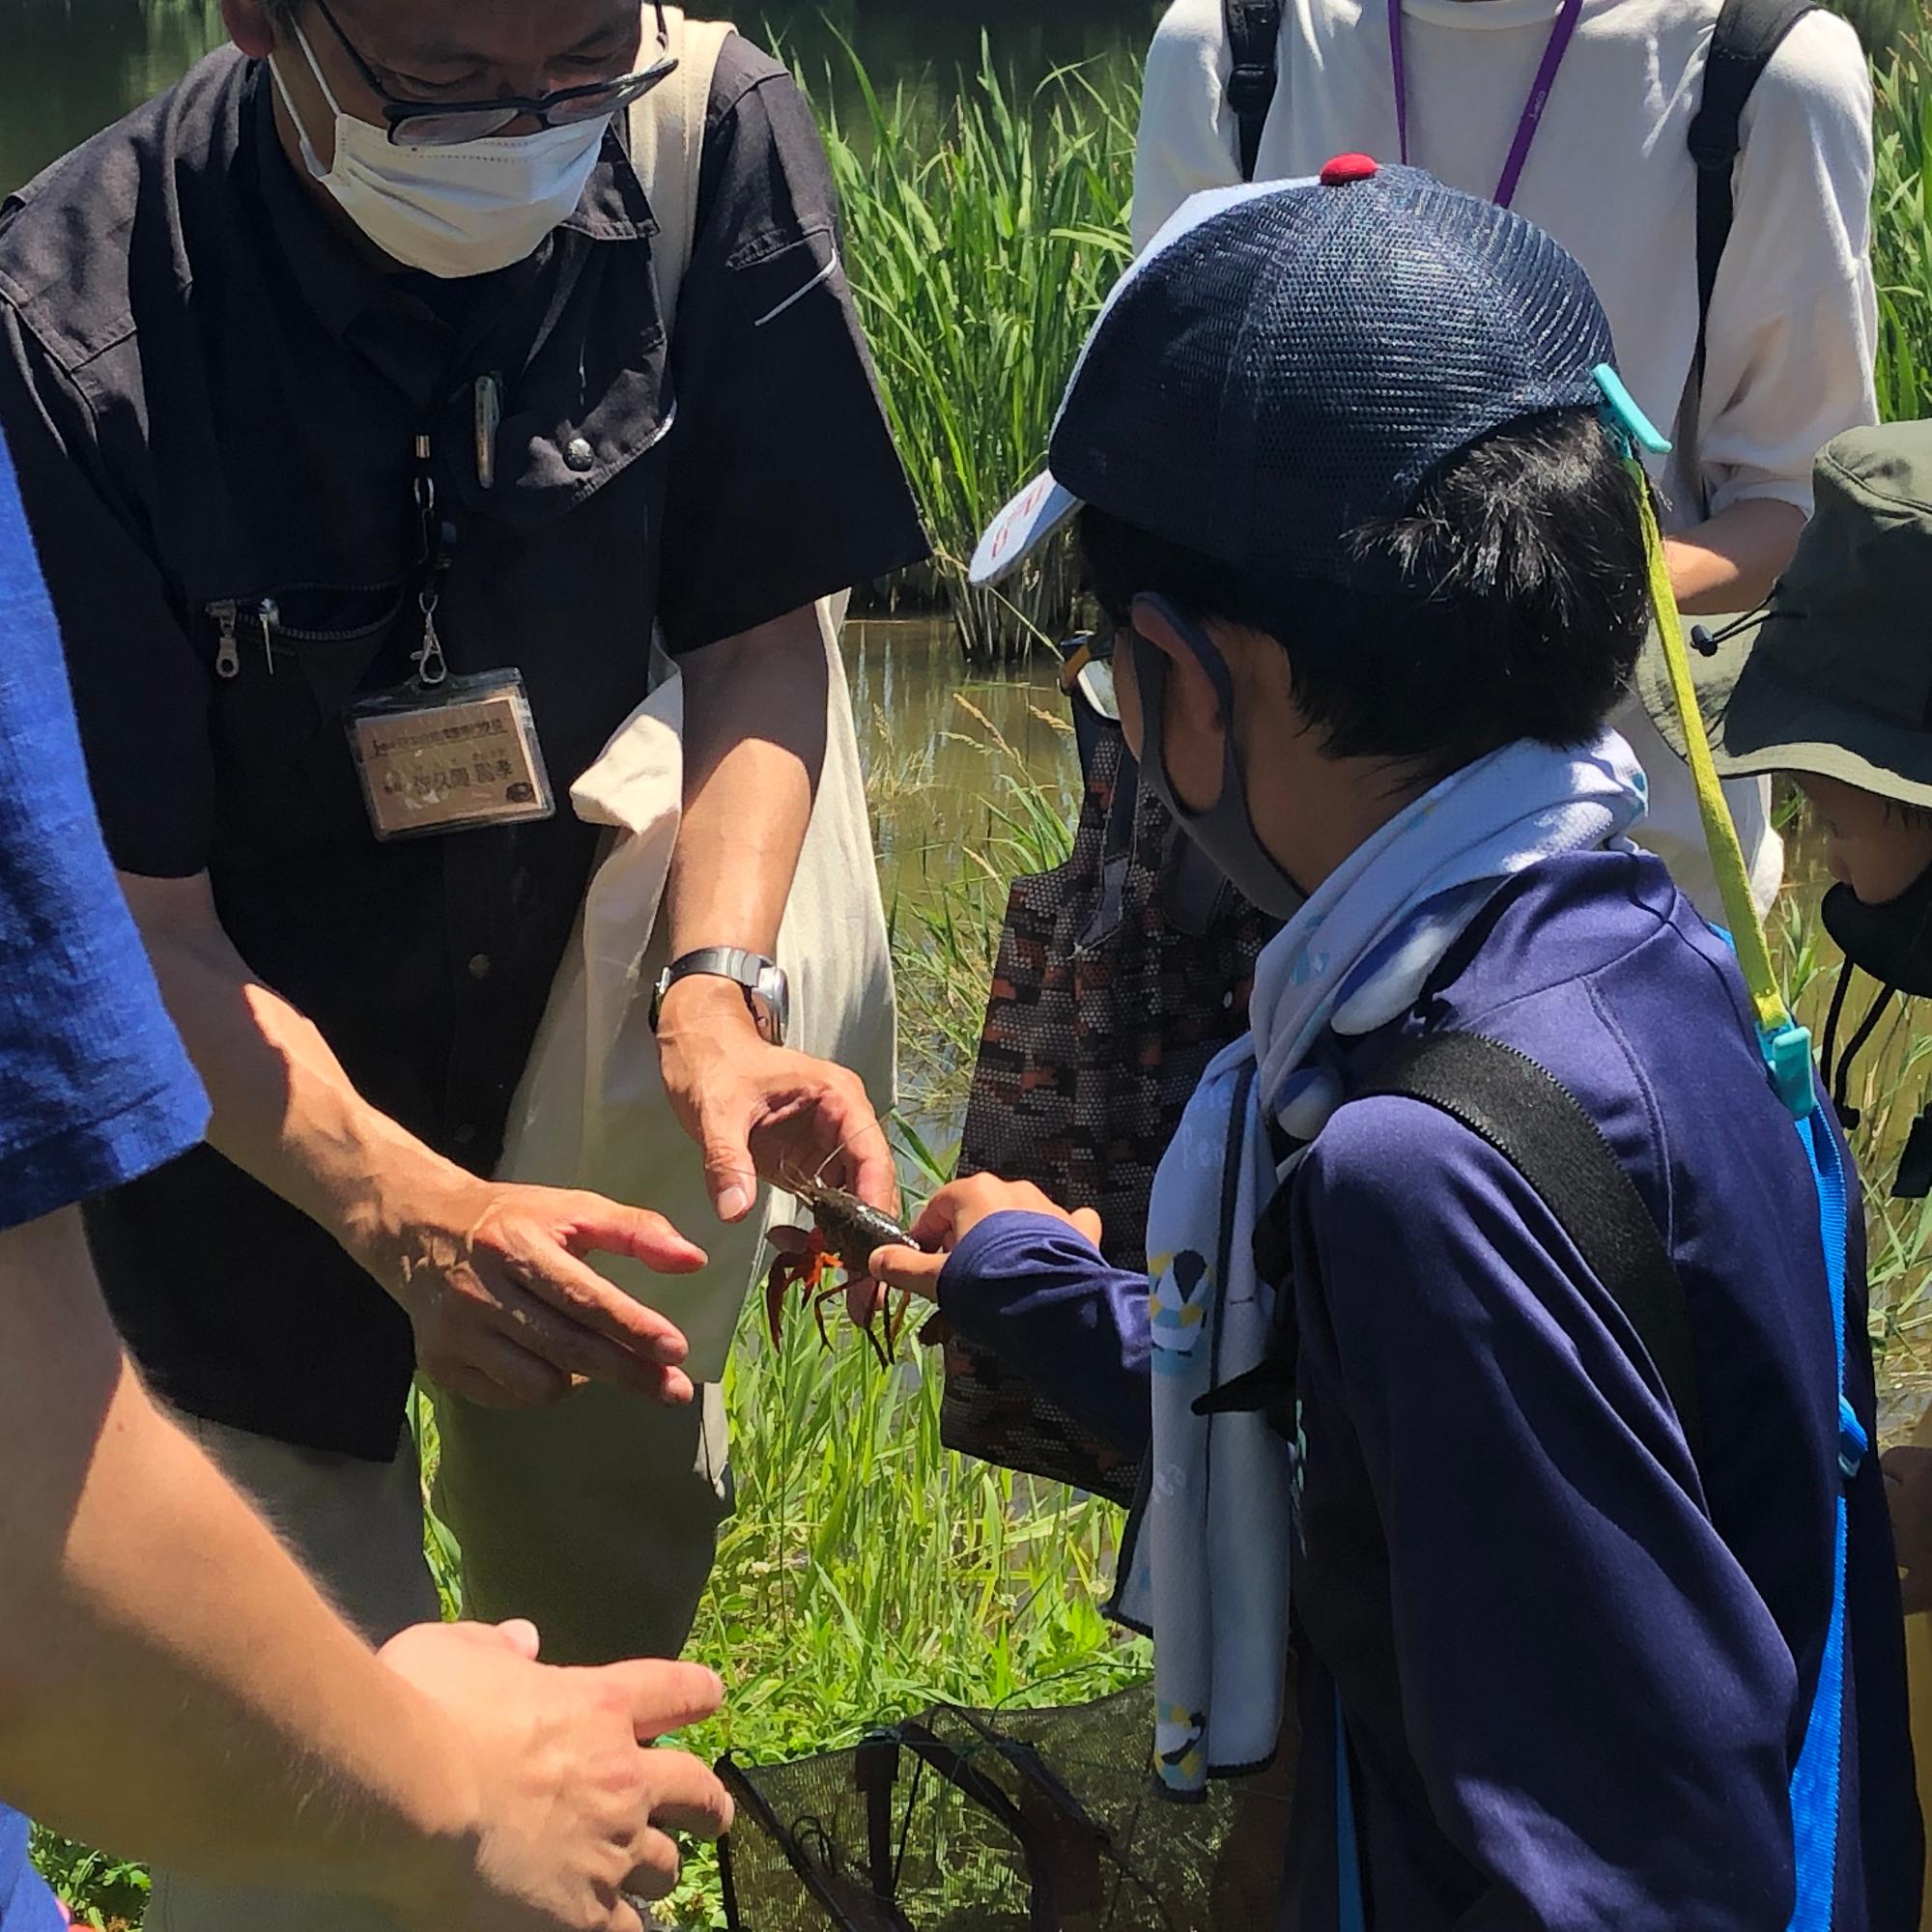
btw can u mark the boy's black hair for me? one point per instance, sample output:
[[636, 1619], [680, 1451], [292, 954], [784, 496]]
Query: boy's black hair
[[1519, 604]]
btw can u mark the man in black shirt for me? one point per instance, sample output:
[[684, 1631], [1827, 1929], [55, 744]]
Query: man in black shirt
[[329, 377]]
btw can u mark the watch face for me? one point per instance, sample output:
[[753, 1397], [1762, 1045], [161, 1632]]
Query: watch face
[[775, 995]]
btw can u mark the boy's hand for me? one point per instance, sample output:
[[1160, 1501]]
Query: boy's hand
[[953, 1213]]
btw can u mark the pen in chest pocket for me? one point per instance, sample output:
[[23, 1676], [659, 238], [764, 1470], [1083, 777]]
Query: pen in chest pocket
[[226, 612], [489, 422]]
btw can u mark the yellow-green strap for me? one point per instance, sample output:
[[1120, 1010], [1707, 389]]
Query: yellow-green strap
[[1787, 1046]]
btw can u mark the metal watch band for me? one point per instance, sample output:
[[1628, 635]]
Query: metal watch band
[[761, 979]]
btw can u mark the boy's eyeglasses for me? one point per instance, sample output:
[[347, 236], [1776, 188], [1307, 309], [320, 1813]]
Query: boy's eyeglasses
[[417, 124]]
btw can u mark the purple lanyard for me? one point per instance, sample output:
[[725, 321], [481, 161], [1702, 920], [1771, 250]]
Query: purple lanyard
[[1560, 36]]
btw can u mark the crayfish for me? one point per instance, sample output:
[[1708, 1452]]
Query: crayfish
[[844, 1236]]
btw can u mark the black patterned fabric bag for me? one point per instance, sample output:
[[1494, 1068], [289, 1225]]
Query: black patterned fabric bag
[[1120, 976]]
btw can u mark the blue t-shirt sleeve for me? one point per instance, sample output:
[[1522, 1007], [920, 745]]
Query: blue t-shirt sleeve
[[1042, 1297], [1598, 1700], [95, 1087]]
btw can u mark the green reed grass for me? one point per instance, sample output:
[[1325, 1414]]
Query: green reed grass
[[870, 1571], [1902, 232], [983, 235], [981, 241]]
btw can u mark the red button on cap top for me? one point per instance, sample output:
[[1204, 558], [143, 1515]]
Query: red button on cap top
[[1346, 168]]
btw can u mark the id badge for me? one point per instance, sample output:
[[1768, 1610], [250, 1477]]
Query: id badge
[[450, 758]]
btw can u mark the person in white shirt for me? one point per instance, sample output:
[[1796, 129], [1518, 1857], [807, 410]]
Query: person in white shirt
[[1604, 168]]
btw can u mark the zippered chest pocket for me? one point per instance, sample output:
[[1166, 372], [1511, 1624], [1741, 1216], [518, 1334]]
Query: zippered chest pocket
[[287, 666], [312, 626]]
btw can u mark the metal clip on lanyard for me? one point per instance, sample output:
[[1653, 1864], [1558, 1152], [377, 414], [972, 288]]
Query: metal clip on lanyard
[[1560, 36], [438, 541]]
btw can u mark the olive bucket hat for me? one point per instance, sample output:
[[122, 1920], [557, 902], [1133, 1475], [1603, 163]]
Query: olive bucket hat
[[1834, 678]]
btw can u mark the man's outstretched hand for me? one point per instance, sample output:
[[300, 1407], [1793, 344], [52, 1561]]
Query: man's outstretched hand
[[505, 1309]]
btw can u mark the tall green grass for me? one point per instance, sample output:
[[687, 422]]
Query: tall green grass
[[980, 245], [1902, 232], [870, 1571], [983, 235]]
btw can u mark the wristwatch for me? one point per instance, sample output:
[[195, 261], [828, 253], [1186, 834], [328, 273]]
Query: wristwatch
[[766, 990]]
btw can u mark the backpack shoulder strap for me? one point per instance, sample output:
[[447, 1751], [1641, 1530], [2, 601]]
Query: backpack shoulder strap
[[668, 143], [1748, 33], [1254, 37], [1541, 1128]]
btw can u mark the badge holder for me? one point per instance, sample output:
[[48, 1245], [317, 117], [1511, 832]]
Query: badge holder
[[444, 754]]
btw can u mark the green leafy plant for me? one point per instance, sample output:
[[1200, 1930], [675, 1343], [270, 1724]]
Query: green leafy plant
[[1902, 232], [980, 244]]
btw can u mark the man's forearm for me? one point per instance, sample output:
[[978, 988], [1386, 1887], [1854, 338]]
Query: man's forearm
[[1731, 562], [284, 1109], [754, 749], [170, 1684], [491, 1275], [754, 746]]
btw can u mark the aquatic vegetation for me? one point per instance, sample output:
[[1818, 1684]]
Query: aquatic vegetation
[[980, 244], [1902, 230]]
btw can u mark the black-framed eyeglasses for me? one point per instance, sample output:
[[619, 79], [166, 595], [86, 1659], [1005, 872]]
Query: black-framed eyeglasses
[[422, 123]]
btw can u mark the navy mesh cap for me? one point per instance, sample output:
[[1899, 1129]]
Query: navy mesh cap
[[1287, 363]]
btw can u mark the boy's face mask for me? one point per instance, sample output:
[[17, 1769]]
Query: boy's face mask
[[1224, 829], [1891, 942]]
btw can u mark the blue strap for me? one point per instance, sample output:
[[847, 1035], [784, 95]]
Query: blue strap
[[1350, 1911], [1816, 1784]]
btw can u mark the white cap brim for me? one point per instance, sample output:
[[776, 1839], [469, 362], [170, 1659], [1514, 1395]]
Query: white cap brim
[[1043, 507], [1040, 509]]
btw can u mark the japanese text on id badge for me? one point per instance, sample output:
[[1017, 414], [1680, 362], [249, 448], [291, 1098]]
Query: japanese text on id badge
[[461, 756]]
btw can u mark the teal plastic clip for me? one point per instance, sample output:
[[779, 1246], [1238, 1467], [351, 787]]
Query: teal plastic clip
[[1787, 1055], [1622, 408]]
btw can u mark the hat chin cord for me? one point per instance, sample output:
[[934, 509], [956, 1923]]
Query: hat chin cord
[[1837, 1067]]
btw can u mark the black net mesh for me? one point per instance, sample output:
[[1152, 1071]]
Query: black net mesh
[[1038, 1821]]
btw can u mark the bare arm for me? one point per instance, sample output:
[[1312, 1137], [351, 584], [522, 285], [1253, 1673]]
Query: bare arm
[[171, 1685], [755, 749], [1731, 562], [492, 1276]]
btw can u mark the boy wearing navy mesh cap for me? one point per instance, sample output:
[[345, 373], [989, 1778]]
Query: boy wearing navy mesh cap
[[1502, 1378]]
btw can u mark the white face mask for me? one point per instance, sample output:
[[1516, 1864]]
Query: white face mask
[[451, 211]]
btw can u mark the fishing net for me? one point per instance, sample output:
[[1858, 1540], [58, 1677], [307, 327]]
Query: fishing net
[[980, 1821]]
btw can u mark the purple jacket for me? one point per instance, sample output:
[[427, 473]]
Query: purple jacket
[[1576, 1667]]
